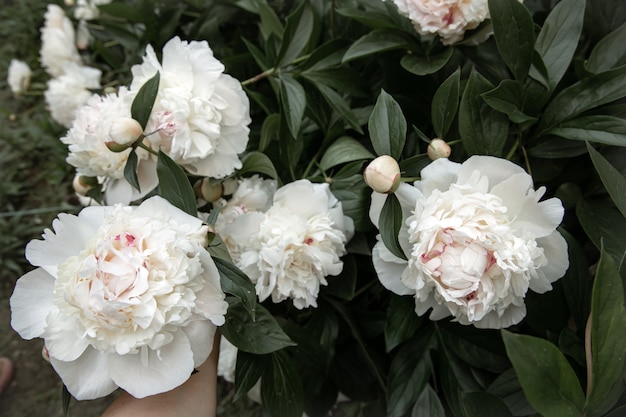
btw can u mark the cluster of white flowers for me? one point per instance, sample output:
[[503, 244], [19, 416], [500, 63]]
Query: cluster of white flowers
[[477, 238], [122, 291], [288, 249]]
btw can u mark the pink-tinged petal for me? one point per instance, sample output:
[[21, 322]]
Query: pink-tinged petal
[[438, 175], [87, 377], [200, 334], [555, 251], [153, 372], [389, 269], [496, 169], [31, 303]]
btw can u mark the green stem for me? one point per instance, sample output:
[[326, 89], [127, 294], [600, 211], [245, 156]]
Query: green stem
[[140, 144], [513, 150], [273, 70]]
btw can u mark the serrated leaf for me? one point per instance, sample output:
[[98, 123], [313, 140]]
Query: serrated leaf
[[608, 130], [298, 30], [514, 34], [426, 64], [260, 163], [281, 390], [293, 103], [507, 98], [608, 332], [446, 103], [260, 336], [174, 185], [548, 380], [390, 222], [144, 100], [612, 179], [130, 170], [428, 404], [344, 149], [233, 281], [609, 53], [376, 42], [402, 321], [387, 126], [248, 369]]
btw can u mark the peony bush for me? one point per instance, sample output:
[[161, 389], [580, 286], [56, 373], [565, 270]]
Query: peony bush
[[414, 207]]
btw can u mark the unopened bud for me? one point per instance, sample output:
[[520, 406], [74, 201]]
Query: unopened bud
[[438, 148], [383, 175], [208, 191], [69, 3], [82, 184], [45, 354], [123, 133]]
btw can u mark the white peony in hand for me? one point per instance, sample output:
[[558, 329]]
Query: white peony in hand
[[477, 238], [124, 297]]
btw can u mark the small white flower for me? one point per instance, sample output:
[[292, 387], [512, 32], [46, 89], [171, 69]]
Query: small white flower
[[68, 92], [290, 249], [201, 114], [88, 9], [18, 76], [57, 42], [477, 238], [124, 296]]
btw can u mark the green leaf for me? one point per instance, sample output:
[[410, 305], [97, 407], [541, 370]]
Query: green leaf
[[402, 321], [233, 281], [426, 64], [260, 163], [428, 404], [259, 336], [609, 53], [344, 285], [269, 131], [608, 332], [248, 369], [445, 103], [507, 387], [174, 185], [390, 222], [577, 283], [508, 98], [602, 222], [612, 179], [482, 404], [66, 398], [558, 38], [483, 130], [409, 373], [376, 42], [387, 126], [586, 94], [298, 30], [608, 130], [344, 149], [514, 33], [549, 382], [369, 18], [270, 23], [354, 195], [144, 100], [339, 105], [122, 10], [293, 102], [281, 390], [130, 170]]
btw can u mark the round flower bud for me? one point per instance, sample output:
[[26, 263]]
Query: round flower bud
[[383, 174], [123, 133], [438, 148], [82, 184], [208, 191]]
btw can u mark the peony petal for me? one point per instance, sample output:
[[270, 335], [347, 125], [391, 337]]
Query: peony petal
[[163, 370], [87, 377], [496, 169], [118, 191], [512, 315], [438, 175], [31, 303], [555, 251], [62, 338], [389, 272], [200, 334]]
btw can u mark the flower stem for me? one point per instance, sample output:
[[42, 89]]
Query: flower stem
[[140, 144], [273, 70]]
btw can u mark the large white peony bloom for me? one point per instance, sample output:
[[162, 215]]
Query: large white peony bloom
[[449, 19], [289, 250], [124, 296], [89, 154], [477, 238], [18, 76], [57, 42], [201, 114]]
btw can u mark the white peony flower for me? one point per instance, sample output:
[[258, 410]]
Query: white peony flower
[[289, 250], [68, 92], [201, 114], [57, 42], [252, 194], [87, 141], [449, 19], [477, 238], [18, 76], [124, 297]]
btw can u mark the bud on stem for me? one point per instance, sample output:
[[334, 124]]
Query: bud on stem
[[123, 133], [383, 175], [438, 148]]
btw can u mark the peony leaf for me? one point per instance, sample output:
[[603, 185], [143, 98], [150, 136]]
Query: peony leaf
[[482, 404], [299, 30], [389, 223], [613, 180], [233, 281], [269, 131], [371, 18], [507, 387], [281, 390], [270, 23], [354, 195], [340, 105], [482, 350], [376, 42], [343, 285], [558, 39], [387, 126], [577, 282], [508, 98], [174, 185], [293, 103], [514, 33], [344, 149], [144, 100], [608, 332], [259, 336], [402, 322], [548, 380], [130, 170], [604, 225], [608, 130], [66, 398], [428, 404], [426, 64], [248, 369], [446, 103], [260, 163], [609, 53]]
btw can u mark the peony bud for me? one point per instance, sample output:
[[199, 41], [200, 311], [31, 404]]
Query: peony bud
[[45, 354], [383, 174], [123, 133], [438, 148], [82, 184], [19, 74], [208, 191]]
